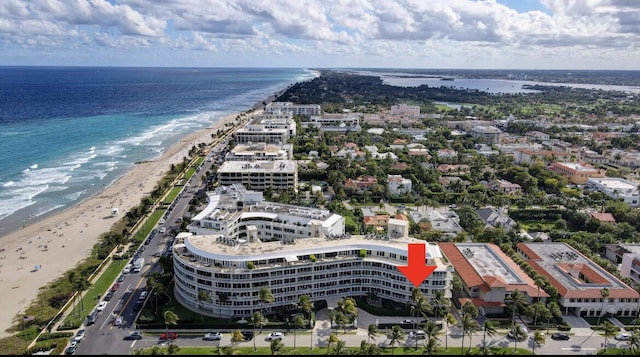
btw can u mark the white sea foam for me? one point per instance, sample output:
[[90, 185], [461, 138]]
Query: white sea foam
[[42, 209]]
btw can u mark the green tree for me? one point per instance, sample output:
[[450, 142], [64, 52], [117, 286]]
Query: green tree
[[223, 298], [275, 346], [604, 294], [488, 329], [203, 296], [333, 339], [237, 337], [170, 318], [259, 321], [372, 332], [538, 340], [173, 349], [449, 320], [395, 335], [340, 348], [369, 349], [306, 305], [554, 310], [298, 323], [431, 346], [609, 330], [469, 326], [266, 297]]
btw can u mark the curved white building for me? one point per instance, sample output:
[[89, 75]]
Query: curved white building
[[293, 251]]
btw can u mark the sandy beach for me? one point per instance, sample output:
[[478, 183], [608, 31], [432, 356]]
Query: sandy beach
[[59, 242]]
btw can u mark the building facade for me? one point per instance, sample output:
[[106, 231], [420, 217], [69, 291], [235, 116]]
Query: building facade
[[234, 250], [616, 188], [260, 175], [580, 282], [576, 173], [293, 108], [260, 151]]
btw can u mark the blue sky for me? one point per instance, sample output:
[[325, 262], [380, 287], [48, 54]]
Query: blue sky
[[514, 34]]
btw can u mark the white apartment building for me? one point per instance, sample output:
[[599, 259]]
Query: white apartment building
[[487, 134], [260, 175], [398, 185], [616, 188], [294, 109], [271, 128], [403, 109], [335, 122], [260, 151]]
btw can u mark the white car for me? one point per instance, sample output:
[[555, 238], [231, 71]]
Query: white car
[[118, 321], [275, 336], [163, 229], [79, 337], [101, 305], [623, 336]]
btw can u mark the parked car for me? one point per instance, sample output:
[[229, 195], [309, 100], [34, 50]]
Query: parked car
[[91, 319], [560, 336], [248, 335], [212, 336], [135, 335], [101, 305], [168, 336], [138, 305], [623, 336], [275, 336], [419, 335], [163, 229], [80, 335], [512, 336], [118, 321], [121, 278], [71, 349], [115, 287], [108, 296], [407, 321]]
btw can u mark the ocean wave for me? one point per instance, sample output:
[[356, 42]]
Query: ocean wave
[[42, 209], [19, 198]]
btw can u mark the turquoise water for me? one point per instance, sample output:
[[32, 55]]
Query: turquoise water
[[66, 133]]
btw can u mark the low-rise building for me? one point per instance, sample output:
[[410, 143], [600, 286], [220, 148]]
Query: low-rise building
[[334, 122], [627, 255], [616, 188], [580, 282], [294, 108], [576, 173], [489, 276], [440, 219], [487, 134], [260, 151], [404, 109], [260, 175], [398, 185]]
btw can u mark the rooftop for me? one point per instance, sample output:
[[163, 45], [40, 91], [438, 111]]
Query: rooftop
[[573, 274]]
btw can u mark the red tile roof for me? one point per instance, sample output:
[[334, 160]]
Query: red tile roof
[[603, 217], [590, 293], [471, 278]]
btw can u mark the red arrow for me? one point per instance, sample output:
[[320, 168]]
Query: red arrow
[[416, 270]]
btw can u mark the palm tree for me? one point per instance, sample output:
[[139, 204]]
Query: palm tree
[[170, 318], [554, 310], [539, 282], [490, 330], [416, 294], [372, 332], [266, 296], [237, 337], [449, 319], [538, 339], [340, 348], [604, 293], [431, 346], [224, 351], [222, 300], [469, 326], [155, 285], [258, 321], [78, 284], [395, 335], [634, 341], [368, 349], [518, 333], [203, 296], [333, 338], [276, 345], [298, 323], [173, 349], [609, 330], [441, 302], [306, 305]]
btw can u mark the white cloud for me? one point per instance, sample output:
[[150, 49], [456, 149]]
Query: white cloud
[[333, 32]]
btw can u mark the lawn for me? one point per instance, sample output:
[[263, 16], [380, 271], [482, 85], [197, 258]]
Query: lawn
[[264, 351], [537, 225], [190, 171], [83, 307], [171, 196]]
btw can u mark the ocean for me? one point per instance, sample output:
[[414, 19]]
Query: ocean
[[68, 132]]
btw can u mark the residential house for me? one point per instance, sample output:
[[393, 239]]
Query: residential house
[[398, 185], [361, 183], [497, 217], [615, 188]]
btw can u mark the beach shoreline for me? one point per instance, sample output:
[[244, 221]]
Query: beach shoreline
[[42, 251]]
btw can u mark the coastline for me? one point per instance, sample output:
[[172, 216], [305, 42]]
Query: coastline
[[58, 242]]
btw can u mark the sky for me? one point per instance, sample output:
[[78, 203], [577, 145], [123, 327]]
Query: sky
[[487, 34]]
